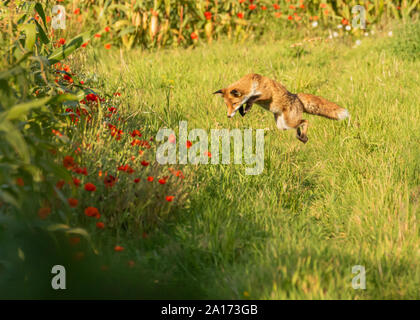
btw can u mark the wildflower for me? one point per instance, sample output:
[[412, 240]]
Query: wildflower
[[169, 198], [314, 24], [348, 28], [302, 6], [136, 180], [277, 14], [60, 184], [389, 34], [252, 7], [74, 240], [162, 181], [61, 41], [118, 248], [358, 42], [92, 212], [84, 45], [208, 15], [76, 182], [150, 179], [100, 225], [263, 8], [73, 202], [290, 18], [292, 7], [193, 36], [323, 5], [240, 15], [117, 94], [276, 6], [107, 29], [344, 21], [98, 35], [44, 212], [136, 133], [77, 11], [109, 181], [144, 163], [107, 46], [188, 144], [246, 294], [68, 162], [20, 182], [90, 187]]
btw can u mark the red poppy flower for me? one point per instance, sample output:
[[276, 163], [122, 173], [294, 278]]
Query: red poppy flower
[[194, 36], [73, 202], [68, 162], [290, 18], [98, 35], [44, 212], [107, 46], [136, 180], [144, 163], [136, 133], [60, 184], [100, 225], [90, 187], [292, 7], [240, 15], [84, 45], [109, 181], [172, 138], [323, 5], [208, 15], [189, 144], [169, 198], [74, 240], [208, 154], [344, 21], [150, 179], [263, 8], [76, 182], [61, 41], [118, 248], [252, 7], [92, 212], [77, 11], [107, 29], [162, 181], [276, 6]]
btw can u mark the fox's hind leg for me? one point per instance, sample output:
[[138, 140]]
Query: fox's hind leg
[[301, 131]]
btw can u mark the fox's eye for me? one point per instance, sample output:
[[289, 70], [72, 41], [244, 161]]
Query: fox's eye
[[235, 93]]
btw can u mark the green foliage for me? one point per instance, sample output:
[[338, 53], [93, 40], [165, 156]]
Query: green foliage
[[405, 42]]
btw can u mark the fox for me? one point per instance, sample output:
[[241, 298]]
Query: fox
[[287, 107]]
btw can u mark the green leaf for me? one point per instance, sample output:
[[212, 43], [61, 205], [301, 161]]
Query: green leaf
[[30, 31], [40, 10], [15, 139], [22, 109], [65, 50]]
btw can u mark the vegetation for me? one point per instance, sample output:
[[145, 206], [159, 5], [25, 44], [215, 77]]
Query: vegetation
[[80, 185]]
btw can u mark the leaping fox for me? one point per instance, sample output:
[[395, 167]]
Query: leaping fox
[[274, 97]]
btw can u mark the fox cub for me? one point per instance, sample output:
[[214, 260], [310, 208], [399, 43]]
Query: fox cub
[[274, 97]]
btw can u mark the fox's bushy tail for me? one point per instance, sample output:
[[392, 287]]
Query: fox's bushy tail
[[322, 107]]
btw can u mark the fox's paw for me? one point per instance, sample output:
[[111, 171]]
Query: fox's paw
[[302, 137]]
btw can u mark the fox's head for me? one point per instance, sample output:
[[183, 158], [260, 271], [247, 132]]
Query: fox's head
[[234, 101], [240, 95]]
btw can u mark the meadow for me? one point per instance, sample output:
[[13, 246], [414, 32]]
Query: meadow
[[350, 196]]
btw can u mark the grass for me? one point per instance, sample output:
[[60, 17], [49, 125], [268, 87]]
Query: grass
[[350, 196]]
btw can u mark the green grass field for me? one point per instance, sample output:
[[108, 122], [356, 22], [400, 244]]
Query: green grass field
[[350, 196]]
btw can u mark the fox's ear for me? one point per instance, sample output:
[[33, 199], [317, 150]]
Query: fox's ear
[[218, 91], [235, 93]]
